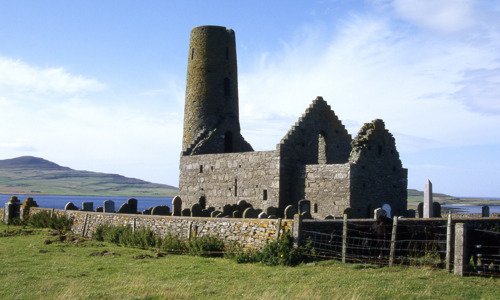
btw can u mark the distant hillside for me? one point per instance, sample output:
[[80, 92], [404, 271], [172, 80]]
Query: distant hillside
[[33, 175]]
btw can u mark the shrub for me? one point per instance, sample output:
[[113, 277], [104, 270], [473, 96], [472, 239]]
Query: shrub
[[171, 243], [205, 246], [44, 220]]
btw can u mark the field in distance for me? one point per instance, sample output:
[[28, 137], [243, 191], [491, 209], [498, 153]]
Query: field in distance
[[29, 175]]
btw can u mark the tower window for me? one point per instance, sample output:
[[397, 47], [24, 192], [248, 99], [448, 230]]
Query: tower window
[[322, 148], [227, 87], [315, 208], [192, 54], [235, 187], [264, 195], [201, 168]]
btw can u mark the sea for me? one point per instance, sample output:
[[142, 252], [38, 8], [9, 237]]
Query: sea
[[59, 202]]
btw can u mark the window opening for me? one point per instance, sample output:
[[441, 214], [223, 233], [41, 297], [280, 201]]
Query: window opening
[[235, 187], [192, 54], [322, 148], [315, 208], [264, 195], [201, 168]]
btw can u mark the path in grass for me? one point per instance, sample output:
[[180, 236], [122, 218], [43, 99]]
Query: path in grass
[[35, 265]]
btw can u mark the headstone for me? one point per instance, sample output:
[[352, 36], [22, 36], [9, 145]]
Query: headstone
[[12, 209], [436, 209], [329, 217], [242, 205], [99, 209], [290, 211], [88, 206], [161, 210], [147, 211], [132, 205], [25, 207], [349, 212], [215, 213], [378, 212], [306, 215], [410, 213], [186, 212], [70, 206], [250, 213], [196, 210], [237, 214], [428, 208], [485, 213], [420, 209], [271, 211], [124, 209], [304, 206], [227, 210], [109, 206], [206, 213], [177, 206], [262, 215]]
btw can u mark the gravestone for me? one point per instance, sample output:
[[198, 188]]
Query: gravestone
[[349, 212], [378, 212], [186, 212], [242, 205], [271, 211], [428, 207], [177, 206], [410, 213], [109, 206], [420, 209], [306, 215], [262, 215], [485, 212], [304, 206], [70, 206], [250, 213], [147, 211], [196, 210], [87, 206], [436, 209], [99, 209], [25, 207], [215, 214], [161, 210], [237, 214], [329, 217], [12, 209], [290, 211], [227, 210], [132, 205], [124, 209]]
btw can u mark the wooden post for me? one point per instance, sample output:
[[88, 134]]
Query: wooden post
[[461, 250], [393, 241], [190, 228], [449, 245], [297, 230], [344, 240]]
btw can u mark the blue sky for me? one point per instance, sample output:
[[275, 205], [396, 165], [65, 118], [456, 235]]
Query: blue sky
[[99, 85]]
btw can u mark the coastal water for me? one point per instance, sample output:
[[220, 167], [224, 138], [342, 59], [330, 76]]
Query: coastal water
[[59, 202]]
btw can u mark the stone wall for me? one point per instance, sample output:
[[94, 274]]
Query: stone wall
[[327, 187], [249, 233], [228, 178]]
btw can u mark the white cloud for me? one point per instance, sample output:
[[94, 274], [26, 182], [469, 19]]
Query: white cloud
[[17, 75], [446, 16]]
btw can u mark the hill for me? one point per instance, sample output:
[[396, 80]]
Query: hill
[[33, 175]]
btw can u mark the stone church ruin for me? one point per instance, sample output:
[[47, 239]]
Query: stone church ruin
[[317, 160]]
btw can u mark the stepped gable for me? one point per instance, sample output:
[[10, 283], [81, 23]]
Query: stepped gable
[[318, 125], [375, 144]]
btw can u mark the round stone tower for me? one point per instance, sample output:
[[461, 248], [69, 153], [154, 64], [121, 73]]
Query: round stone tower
[[211, 116]]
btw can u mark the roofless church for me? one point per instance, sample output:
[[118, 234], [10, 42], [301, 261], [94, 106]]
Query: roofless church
[[316, 160]]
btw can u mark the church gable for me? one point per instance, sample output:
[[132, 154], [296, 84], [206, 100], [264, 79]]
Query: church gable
[[318, 137]]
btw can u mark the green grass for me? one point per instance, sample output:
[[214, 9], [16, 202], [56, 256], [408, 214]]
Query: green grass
[[35, 265]]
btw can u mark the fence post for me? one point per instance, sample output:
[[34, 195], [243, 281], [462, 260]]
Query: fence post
[[278, 230], [85, 224], [393, 241], [449, 245], [297, 230], [461, 250], [344, 239]]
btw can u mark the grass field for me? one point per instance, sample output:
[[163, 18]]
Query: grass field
[[36, 265]]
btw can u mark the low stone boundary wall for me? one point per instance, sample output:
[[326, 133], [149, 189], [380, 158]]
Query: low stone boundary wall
[[249, 233]]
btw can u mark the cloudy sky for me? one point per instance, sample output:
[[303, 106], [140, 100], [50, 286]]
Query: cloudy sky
[[99, 85]]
